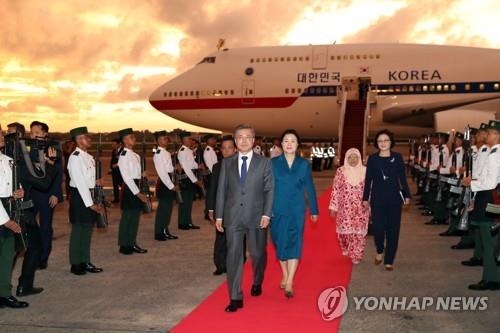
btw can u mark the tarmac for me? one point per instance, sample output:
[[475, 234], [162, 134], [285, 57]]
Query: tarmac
[[154, 291]]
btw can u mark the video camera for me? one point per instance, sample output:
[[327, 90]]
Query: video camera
[[35, 148]]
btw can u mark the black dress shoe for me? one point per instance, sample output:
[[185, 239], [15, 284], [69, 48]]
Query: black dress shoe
[[77, 270], [43, 265], [219, 271], [138, 249], [449, 233], [89, 267], [160, 237], [485, 285], [170, 236], [127, 250], [234, 306], [12, 302], [192, 226], [473, 262], [184, 228], [21, 291], [256, 290], [462, 246]]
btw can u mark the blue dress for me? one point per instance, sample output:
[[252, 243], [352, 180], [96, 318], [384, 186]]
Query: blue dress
[[289, 206]]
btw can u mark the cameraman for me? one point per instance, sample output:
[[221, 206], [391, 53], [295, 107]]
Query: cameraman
[[45, 201], [31, 179]]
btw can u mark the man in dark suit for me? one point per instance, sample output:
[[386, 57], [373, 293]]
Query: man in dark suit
[[228, 148], [243, 207]]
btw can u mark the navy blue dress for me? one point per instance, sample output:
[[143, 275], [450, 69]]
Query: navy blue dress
[[289, 207]]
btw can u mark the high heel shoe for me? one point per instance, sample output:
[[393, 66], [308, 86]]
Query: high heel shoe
[[389, 268], [288, 294]]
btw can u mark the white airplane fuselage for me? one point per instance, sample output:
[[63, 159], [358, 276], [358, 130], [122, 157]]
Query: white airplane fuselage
[[274, 88]]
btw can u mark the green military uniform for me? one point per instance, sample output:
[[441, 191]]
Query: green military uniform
[[82, 173], [129, 164], [164, 191], [187, 184], [487, 181]]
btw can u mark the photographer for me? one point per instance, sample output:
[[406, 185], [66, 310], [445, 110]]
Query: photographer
[[31, 178], [45, 201]]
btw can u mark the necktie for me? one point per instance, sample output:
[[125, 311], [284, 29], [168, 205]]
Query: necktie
[[243, 173]]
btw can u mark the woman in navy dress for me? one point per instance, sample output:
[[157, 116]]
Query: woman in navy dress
[[387, 190], [293, 177]]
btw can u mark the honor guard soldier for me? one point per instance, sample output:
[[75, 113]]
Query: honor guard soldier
[[210, 159], [8, 228], [129, 164], [439, 212], [82, 209], [483, 187], [165, 188], [432, 166], [480, 153], [188, 182], [331, 155]]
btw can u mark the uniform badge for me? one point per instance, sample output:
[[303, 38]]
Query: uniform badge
[[76, 153], [123, 153]]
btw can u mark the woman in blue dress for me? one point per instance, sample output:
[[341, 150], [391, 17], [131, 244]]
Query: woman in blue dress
[[293, 177]]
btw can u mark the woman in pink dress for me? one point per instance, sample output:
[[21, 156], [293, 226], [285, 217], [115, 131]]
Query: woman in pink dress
[[346, 204]]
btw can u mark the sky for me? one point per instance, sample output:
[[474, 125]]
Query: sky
[[86, 62]]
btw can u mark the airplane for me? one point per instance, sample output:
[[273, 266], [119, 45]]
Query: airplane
[[410, 89]]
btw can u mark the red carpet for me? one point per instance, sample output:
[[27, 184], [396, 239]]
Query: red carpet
[[322, 267]]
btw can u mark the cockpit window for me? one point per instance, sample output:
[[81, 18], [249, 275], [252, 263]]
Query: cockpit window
[[210, 60]]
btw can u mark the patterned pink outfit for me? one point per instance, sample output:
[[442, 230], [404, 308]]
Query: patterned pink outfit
[[352, 217]]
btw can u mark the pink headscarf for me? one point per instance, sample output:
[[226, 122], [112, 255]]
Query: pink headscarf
[[356, 174]]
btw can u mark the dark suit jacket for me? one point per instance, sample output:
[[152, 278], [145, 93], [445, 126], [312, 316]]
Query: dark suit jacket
[[212, 187], [245, 205]]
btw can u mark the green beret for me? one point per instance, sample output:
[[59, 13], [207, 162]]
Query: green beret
[[124, 132], [159, 134], [483, 127], [184, 134], [495, 125], [459, 135], [78, 131], [208, 137], [473, 130]]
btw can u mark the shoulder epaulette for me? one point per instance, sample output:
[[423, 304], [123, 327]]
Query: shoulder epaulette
[[76, 153], [494, 150], [484, 149], [123, 153], [158, 151], [207, 149], [182, 149]]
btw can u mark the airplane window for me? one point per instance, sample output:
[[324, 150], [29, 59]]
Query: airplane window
[[425, 88], [307, 58], [186, 93], [175, 94], [170, 94], [318, 90], [439, 88], [180, 94], [263, 59], [377, 56], [446, 87], [299, 90], [339, 57], [232, 92], [467, 87], [293, 90], [371, 56], [418, 88], [432, 88], [197, 93], [411, 88], [220, 92], [294, 58], [325, 90], [250, 91], [497, 86], [225, 92], [481, 86], [397, 89], [257, 60], [164, 94], [276, 59], [351, 57], [282, 59], [404, 89], [358, 57], [332, 91], [332, 58], [301, 59], [364, 56], [251, 60], [270, 60], [287, 91], [346, 57], [453, 87], [287, 58]]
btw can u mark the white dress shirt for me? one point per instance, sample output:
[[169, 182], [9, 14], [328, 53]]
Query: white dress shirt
[[240, 160], [81, 168], [5, 184], [129, 164], [163, 165], [210, 157], [187, 162], [480, 161], [489, 175]]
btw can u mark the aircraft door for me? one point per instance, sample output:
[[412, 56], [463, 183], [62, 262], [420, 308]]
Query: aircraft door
[[248, 92], [319, 57]]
